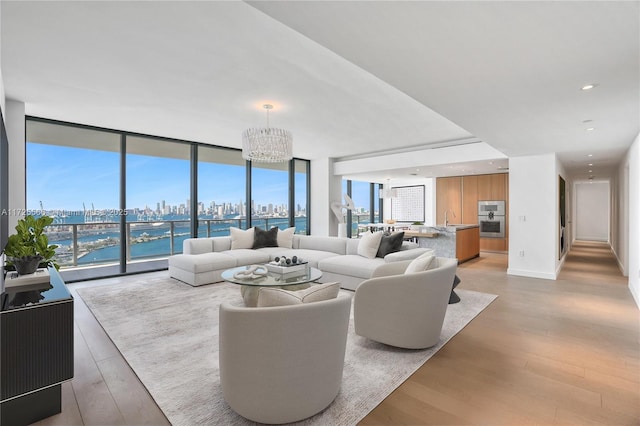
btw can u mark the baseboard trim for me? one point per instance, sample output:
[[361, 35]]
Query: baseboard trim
[[531, 274], [635, 295]]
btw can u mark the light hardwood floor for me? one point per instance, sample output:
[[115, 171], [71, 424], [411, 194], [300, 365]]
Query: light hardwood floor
[[545, 352]]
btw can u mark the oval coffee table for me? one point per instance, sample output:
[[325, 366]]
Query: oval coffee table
[[249, 287]]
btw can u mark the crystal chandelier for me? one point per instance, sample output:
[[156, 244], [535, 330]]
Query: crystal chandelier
[[267, 145]]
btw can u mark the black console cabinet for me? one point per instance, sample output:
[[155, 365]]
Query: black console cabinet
[[37, 350]]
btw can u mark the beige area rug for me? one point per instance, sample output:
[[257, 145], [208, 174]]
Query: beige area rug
[[168, 333]]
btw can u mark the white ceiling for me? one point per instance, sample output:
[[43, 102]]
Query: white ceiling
[[347, 78]]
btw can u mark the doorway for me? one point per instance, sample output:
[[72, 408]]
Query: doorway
[[592, 211]]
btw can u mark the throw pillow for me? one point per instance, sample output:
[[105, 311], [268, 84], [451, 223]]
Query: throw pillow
[[285, 237], [262, 238], [369, 243], [268, 297], [390, 243], [241, 239], [421, 263]]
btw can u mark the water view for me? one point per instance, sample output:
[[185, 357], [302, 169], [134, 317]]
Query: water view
[[98, 239]]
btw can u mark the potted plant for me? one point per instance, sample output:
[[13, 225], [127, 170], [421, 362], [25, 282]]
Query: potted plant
[[29, 246]]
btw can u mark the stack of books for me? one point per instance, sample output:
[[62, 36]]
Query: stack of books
[[298, 268], [12, 279]]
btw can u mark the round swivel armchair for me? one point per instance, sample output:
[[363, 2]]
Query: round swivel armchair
[[283, 364], [404, 310]]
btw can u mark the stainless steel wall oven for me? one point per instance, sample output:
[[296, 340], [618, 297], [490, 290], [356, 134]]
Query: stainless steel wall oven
[[491, 218]]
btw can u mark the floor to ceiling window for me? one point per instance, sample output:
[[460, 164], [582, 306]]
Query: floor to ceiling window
[[270, 195], [368, 205], [301, 196], [124, 201], [222, 191], [361, 196], [73, 175], [157, 197]]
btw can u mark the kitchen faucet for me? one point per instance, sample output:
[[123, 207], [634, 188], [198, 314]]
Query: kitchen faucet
[[446, 220]]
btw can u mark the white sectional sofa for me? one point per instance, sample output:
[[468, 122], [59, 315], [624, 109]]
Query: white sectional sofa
[[204, 259]]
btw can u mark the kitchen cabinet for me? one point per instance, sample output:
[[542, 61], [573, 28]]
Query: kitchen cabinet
[[492, 187], [449, 198], [469, 199], [467, 243], [461, 195]]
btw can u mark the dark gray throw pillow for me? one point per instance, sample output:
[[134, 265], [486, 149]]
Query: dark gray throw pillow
[[262, 238], [390, 243]]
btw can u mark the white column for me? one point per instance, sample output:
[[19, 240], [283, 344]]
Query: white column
[[325, 188], [533, 216], [15, 124]]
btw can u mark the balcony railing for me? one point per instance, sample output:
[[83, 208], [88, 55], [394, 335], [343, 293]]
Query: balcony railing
[[86, 244]]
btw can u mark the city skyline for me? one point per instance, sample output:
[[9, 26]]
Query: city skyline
[[93, 177]]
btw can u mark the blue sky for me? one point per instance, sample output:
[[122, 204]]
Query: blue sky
[[63, 178]]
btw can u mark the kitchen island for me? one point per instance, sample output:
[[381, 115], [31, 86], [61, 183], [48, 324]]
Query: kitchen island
[[459, 241]]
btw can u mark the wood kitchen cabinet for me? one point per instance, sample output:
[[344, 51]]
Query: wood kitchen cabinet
[[492, 187], [461, 195], [467, 244], [469, 199], [449, 197], [484, 187]]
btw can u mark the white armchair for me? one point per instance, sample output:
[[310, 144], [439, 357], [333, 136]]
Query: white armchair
[[283, 364], [404, 310]]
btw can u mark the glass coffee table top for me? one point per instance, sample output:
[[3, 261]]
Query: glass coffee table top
[[273, 279]]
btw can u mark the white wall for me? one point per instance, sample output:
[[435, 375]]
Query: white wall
[[592, 202], [17, 173], [2, 101], [620, 216], [420, 158], [533, 216], [633, 161], [325, 188]]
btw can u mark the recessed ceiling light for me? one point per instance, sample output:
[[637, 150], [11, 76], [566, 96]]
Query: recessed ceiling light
[[589, 86], [590, 171], [589, 155], [587, 121], [590, 164], [589, 129]]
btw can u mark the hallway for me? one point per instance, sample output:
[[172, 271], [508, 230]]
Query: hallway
[[562, 351], [592, 261]]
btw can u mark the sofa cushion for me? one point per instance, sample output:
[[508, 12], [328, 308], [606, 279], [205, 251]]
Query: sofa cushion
[[268, 297], [352, 245], [262, 238], [197, 245], [285, 237], [274, 252], [311, 256], [221, 243], [205, 262], [390, 243], [247, 256], [369, 244], [351, 265], [331, 244], [421, 263], [240, 238]]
